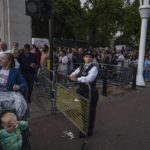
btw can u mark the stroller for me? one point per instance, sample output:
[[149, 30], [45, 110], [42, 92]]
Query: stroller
[[15, 103]]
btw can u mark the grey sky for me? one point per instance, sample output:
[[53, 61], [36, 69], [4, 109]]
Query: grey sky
[[82, 1]]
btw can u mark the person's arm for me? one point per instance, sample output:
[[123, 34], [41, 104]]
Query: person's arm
[[90, 77], [23, 125], [34, 61], [1, 133], [21, 82], [76, 72]]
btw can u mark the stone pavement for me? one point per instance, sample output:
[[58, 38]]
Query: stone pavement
[[122, 123]]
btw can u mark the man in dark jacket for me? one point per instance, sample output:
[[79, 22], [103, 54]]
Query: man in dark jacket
[[28, 64]]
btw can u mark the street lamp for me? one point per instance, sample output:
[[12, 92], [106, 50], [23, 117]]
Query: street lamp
[[144, 10]]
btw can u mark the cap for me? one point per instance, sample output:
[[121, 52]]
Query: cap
[[88, 52]]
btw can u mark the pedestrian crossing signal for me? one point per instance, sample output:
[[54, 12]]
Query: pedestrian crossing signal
[[39, 8]]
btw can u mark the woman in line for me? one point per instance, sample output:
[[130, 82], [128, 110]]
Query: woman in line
[[11, 78]]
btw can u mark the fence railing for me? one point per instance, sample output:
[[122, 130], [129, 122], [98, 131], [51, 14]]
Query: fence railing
[[116, 74], [73, 106], [108, 75], [47, 86]]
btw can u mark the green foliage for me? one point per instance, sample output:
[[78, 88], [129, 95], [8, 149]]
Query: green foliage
[[68, 18], [105, 17], [131, 24], [98, 21]]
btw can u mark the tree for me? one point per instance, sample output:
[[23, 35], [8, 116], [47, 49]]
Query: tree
[[105, 17], [68, 19], [98, 21], [131, 24]]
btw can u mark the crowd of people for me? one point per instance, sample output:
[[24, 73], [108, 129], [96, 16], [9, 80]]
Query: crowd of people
[[19, 69], [68, 59], [30, 59]]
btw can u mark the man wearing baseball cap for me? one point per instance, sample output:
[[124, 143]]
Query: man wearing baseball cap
[[87, 73]]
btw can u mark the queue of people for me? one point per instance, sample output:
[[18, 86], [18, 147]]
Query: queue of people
[[68, 59], [13, 130], [73, 57], [30, 59], [19, 67]]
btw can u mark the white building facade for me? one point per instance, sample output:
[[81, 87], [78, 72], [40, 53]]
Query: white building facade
[[15, 26]]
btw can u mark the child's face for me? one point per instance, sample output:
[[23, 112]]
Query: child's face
[[11, 125], [87, 59]]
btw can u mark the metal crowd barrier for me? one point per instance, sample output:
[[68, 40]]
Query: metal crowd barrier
[[74, 107], [47, 86], [116, 75]]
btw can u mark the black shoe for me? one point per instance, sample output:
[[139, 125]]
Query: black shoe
[[81, 135]]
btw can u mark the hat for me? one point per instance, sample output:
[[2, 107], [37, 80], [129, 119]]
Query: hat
[[88, 52]]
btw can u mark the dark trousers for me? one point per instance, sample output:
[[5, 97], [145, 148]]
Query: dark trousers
[[94, 99], [30, 82], [93, 104]]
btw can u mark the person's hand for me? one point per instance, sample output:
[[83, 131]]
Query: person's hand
[[33, 65], [15, 124], [73, 78], [16, 87]]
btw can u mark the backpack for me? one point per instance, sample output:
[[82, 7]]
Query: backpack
[[115, 60]]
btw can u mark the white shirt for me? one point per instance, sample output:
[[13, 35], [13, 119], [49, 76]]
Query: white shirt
[[17, 65], [3, 79], [92, 74], [121, 58], [63, 66]]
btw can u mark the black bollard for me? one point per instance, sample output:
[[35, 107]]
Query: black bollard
[[104, 92], [134, 78]]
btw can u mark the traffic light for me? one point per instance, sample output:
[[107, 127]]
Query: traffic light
[[45, 8], [39, 8], [32, 8]]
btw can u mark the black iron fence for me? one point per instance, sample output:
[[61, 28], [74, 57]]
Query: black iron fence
[[108, 75]]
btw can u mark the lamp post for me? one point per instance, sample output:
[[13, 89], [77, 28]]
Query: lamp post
[[144, 10]]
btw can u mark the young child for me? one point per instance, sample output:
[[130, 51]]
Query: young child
[[10, 135]]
